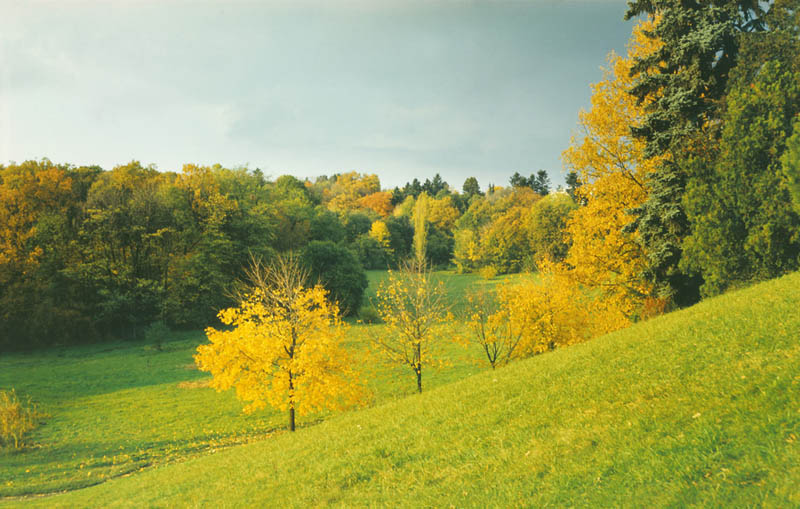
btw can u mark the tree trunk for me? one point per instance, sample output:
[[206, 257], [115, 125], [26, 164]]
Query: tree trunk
[[419, 378], [291, 400]]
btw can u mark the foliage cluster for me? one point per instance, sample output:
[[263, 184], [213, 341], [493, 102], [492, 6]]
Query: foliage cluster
[[88, 254], [414, 308], [17, 419], [282, 345]]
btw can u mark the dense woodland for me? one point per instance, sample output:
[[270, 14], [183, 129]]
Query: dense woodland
[[684, 181]]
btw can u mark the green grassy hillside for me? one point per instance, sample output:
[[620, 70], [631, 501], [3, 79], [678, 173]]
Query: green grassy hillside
[[699, 407], [116, 408]]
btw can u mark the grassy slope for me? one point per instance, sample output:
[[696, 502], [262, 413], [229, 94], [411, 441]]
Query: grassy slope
[[116, 408], [696, 407]]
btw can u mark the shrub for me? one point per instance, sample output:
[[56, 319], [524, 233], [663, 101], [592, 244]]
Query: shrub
[[488, 272], [368, 314], [156, 333], [17, 418]]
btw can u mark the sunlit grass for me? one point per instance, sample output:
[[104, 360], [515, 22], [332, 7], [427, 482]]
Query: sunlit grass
[[700, 407], [121, 407]]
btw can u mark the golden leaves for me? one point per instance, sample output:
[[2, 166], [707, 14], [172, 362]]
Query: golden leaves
[[283, 356], [612, 168]]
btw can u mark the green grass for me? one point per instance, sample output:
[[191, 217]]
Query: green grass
[[117, 408], [699, 407], [456, 285]]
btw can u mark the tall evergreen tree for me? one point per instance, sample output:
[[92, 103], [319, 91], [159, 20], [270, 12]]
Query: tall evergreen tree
[[686, 78]]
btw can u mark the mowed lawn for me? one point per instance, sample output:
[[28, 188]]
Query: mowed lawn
[[122, 407]]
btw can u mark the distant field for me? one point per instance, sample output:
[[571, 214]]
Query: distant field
[[117, 408], [699, 407]]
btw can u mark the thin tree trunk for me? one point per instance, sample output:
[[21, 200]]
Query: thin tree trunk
[[291, 401], [418, 367]]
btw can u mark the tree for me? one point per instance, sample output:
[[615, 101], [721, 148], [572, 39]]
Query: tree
[[682, 82], [547, 225], [435, 186], [518, 180], [573, 183], [356, 223], [401, 236], [325, 225], [421, 212], [351, 187], [380, 232], [339, 271], [613, 168], [414, 308], [371, 253], [540, 183], [492, 329], [471, 187], [379, 202], [283, 347], [554, 312], [744, 227]]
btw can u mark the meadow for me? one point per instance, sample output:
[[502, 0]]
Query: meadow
[[697, 407], [118, 408]]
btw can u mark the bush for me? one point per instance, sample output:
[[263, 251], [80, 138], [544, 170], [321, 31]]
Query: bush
[[368, 314], [17, 418], [156, 333], [488, 272]]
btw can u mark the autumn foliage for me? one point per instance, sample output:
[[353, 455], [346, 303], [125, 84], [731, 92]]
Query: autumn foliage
[[414, 308], [613, 169], [283, 346]]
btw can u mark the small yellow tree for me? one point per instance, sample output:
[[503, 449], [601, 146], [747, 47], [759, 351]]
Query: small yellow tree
[[494, 330], [415, 311], [283, 347], [380, 232]]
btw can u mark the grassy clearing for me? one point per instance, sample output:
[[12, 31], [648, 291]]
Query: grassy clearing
[[699, 407], [118, 408], [456, 285]]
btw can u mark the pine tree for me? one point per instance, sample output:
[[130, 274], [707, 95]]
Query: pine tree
[[687, 76]]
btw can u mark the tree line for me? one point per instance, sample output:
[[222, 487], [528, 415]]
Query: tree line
[[88, 254]]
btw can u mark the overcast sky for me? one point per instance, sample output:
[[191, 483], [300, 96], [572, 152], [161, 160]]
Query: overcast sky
[[403, 89]]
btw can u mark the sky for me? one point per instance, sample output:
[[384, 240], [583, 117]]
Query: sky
[[402, 89]]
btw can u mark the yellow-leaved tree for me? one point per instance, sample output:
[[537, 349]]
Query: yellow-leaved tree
[[493, 330], [612, 169], [415, 310], [380, 232], [532, 316], [283, 347], [553, 311]]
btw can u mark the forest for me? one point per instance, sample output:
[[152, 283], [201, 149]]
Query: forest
[[683, 182]]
